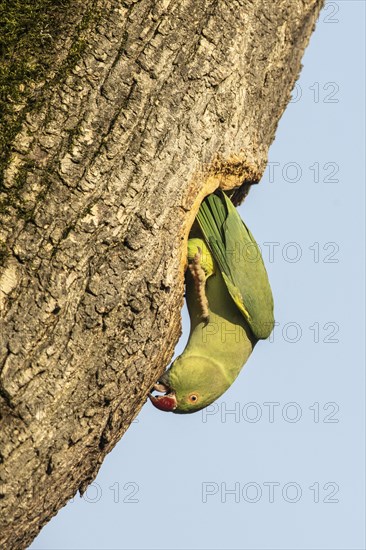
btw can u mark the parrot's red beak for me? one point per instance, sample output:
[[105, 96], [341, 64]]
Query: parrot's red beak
[[166, 402]]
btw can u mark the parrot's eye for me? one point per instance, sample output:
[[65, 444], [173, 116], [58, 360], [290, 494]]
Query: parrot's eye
[[193, 398]]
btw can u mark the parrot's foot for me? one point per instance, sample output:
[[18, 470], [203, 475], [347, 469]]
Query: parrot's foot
[[199, 277]]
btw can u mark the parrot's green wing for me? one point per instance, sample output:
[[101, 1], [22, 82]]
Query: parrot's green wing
[[240, 261]]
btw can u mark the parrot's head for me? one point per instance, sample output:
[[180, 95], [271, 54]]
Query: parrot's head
[[190, 384]]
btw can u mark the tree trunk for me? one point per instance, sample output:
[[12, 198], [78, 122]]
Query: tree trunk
[[126, 115]]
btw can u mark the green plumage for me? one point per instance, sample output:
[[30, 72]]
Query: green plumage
[[224, 255], [215, 352], [240, 262]]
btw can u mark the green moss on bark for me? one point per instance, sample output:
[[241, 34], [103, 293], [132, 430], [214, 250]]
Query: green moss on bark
[[4, 253], [29, 30]]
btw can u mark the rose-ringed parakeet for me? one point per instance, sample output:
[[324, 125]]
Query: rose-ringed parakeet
[[230, 306]]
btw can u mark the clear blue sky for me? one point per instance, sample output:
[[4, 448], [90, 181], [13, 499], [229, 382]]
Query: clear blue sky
[[284, 469]]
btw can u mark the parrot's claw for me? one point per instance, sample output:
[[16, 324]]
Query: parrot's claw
[[199, 277]]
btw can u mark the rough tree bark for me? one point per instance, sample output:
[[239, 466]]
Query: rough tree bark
[[145, 108]]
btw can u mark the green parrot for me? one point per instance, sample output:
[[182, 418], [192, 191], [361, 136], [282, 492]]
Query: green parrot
[[230, 306]]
